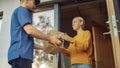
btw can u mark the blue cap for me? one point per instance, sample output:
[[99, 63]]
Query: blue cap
[[37, 2]]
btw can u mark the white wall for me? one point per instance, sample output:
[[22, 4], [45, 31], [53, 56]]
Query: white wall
[[0, 24], [7, 6]]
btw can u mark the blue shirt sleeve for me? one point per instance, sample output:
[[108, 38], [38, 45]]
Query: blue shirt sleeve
[[24, 16]]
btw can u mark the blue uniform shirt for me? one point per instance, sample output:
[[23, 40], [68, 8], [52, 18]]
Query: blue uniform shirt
[[22, 44]]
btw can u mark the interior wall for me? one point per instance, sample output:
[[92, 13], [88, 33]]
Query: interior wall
[[7, 7]]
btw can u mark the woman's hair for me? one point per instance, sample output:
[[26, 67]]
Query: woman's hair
[[81, 20]]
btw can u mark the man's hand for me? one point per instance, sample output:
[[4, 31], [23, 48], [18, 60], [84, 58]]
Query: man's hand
[[55, 41]]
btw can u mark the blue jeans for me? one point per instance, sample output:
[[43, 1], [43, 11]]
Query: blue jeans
[[81, 66], [21, 63]]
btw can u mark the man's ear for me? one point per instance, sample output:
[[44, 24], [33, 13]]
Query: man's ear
[[25, 1]]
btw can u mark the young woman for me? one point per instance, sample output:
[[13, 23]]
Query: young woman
[[80, 48]]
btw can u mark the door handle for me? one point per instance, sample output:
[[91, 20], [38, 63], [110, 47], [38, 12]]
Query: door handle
[[108, 33]]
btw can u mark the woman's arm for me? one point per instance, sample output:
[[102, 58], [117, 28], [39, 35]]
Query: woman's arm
[[66, 37], [38, 47], [85, 43], [65, 51]]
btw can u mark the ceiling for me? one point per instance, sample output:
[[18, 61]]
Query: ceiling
[[92, 12]]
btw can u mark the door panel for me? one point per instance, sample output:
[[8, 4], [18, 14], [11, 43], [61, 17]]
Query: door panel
[[102, 48]]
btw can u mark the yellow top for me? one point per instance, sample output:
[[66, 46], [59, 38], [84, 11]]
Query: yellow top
[[80, 48]]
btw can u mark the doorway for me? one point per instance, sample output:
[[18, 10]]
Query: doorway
[[95, 15]]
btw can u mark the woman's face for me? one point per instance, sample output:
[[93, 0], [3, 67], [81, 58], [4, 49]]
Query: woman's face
[[76, 24]]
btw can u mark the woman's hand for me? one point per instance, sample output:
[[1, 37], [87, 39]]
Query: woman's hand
[[65, 36]]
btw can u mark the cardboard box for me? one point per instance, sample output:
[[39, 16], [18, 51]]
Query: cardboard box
[[48, 47]]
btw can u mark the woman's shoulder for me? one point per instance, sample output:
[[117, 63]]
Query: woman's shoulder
[[87, 32]]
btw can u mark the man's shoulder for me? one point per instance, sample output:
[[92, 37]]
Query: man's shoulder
[[20, 8], [16, 9]]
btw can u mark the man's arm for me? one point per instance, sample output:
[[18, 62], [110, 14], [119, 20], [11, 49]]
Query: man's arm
[[30, 30]]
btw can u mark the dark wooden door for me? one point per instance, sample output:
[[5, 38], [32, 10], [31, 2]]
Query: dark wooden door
[[103, 52]]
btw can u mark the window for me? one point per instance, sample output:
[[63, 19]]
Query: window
[[1, 15]]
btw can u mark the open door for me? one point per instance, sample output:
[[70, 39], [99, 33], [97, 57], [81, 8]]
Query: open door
[[103, 52], [113, 19]]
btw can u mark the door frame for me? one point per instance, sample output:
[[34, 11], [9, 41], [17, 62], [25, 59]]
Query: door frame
[[114, 31]]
